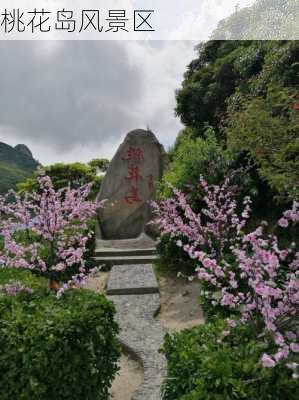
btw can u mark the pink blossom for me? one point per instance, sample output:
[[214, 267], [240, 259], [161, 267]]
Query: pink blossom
[[260, 281], [283, 222], [15, 288], [294, 347], [267, 361], [231, 322], [54, 222]]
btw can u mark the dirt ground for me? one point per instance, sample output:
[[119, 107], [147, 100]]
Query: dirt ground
[[128, 380], [98, 282], [179, 310]]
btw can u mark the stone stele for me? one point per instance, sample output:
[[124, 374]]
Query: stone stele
[[129, 185]]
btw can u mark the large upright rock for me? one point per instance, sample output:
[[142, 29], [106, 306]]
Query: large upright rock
[[129, 185]]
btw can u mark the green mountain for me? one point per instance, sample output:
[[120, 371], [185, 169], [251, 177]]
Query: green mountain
[[16, 164]]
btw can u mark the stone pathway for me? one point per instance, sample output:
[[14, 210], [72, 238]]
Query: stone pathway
[[134, 290]]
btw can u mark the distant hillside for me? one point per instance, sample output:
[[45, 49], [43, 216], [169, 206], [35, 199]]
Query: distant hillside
[[16, 164]]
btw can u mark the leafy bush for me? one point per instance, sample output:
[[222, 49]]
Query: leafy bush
[[225, 71], [253, 274], [248, 91], [48, 231], [173, 258], [57, 348], [268, 130], [10, 275], [193, 157], [205, 364], [90, 244], [273, 19], [73, 175]]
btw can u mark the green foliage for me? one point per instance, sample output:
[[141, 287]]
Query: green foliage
[[173, 259], [101, 164], [15, 166], [225, 71], [91, 245], [193, 157], [64, 175], [247, 91], [204, 364], [209, 81], [265, 19], [268, 130], [57, 348], [212, 312], [12, 275]]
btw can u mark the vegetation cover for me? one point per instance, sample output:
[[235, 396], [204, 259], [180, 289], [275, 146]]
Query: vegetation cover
[[54, 348], [16, 165], [57, 341], [73, 175], [207, 363], [228, 213], [247, 92]]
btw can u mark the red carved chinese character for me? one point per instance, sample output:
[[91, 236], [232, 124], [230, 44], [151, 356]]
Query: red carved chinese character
[[134, 154], [134, 173], [133, 196]]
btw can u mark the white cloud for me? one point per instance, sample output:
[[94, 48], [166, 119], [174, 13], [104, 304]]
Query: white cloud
[[75, 100]]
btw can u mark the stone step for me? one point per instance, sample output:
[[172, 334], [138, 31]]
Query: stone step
[[115, 252], [125, 260], [132, 279]]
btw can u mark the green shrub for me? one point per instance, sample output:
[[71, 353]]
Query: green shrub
[[91, 244], [173, 258], [268, 130], [211, 312], [54, 349], [11, 275], [225, 71], [192, 158], [203, 364]]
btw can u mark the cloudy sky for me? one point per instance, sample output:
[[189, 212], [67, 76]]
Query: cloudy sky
[[75, 100]]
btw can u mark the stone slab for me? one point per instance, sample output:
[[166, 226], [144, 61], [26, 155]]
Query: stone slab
[[143, 241], [125, 252], [124, 260], [143, 336], [132, 279]]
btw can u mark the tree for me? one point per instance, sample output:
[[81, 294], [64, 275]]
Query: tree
[[267, 130], [73, 175], [247, 92], [47, 231], [225, 71], [265, 19], [251, 274], [100, 164]]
